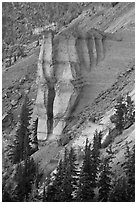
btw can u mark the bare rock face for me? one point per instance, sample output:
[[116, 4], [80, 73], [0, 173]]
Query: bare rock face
[[74, 66], [63, 68]]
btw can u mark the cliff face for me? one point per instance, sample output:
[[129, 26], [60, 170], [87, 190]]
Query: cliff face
[[77, 64], [77, 78], [63, 69]]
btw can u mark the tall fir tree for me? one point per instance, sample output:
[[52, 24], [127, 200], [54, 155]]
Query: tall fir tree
[[21, 149], [64, 184], [34, 195], [54, 188], [104, 181], [119, 190], [69, 183], [129, 169], [36, 185], [24, 177], [35, 139], [95, 156], [86, 182], [105, 177]]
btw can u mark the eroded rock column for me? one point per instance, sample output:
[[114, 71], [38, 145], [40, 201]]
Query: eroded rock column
[[63, 68], [63, 87], [45, 94], [40, 106]]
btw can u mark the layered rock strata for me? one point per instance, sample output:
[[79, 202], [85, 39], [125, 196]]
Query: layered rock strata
[[64, 64]]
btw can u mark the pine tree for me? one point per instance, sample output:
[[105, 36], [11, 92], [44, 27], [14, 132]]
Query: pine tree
[[8, 185], [98, 138], [105, 181], [36, 185], [130, 112], [25, 175], [69, 183], [120, 109], [21, 149], [105, 177], [35, 139], [54, 188], [5, 196], [73, 169], [44, 195], [119, 190], [131, 180], [95, 156], [33, 196], [129, 169], [86, 182]]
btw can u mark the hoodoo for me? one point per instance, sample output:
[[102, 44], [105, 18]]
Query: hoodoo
[[65, 61]]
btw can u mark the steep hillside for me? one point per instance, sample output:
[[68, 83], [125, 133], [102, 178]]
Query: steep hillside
[[112, 77], [74, 80]]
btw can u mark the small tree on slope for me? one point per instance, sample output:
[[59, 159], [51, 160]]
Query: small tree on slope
[[130, 112], [86, 182], [118, 117], [124, 113]]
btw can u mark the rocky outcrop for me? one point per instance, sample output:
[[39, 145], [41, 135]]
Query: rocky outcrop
[[63, 67], [72, 65]]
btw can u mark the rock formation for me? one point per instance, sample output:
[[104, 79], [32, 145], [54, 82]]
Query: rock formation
[[64, 64]]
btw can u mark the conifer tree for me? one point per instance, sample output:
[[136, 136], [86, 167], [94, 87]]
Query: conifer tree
[[49, 195], [131, 180], [8, 185], [129, 169], [54, 188], [21, 148], [95, 156], [69, 183], [33, 196], [130, 112], [105, 181], [105, 177], [36, 185], [35, 139], [44, 195], [120, 109], [119, 190], [65, 181], [86, 184], [25, 175]]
